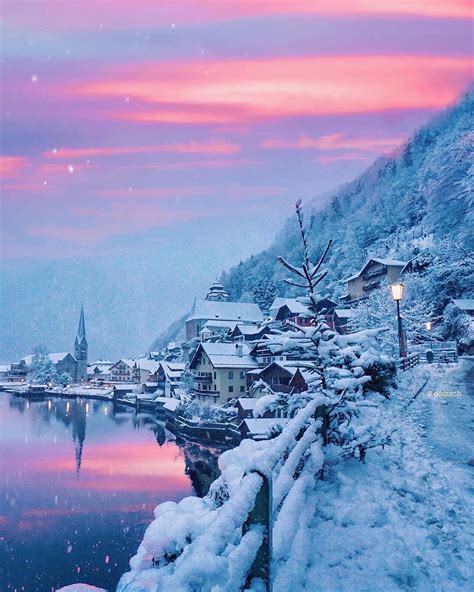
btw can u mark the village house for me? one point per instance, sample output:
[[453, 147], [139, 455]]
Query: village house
[[246, 408], [18, 371], [281, 377], [167, 378], [99, 370], [290, 310], [341, 320], [221, 371], [145, 368], [370, 278], [466, 305], [216, 329], [215, 307], [250, 333], [125, 370], [261, 428]]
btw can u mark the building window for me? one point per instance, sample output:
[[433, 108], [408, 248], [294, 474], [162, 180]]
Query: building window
[[275, 380], [231, 389], [231, 374], [215, 375], [242, 389], [242, 374]]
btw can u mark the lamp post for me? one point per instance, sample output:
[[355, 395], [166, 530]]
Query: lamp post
[[397, 295]]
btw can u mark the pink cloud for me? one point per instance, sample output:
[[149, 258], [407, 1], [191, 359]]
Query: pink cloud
[[245, 90], [10, 166], [336, 141], [113, 14], [210, 147]]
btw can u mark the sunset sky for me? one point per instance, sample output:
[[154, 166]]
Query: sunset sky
[[130, 124]]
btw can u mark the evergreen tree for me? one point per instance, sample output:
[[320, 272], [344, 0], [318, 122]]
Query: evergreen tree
[[337, 365], [264, 293]]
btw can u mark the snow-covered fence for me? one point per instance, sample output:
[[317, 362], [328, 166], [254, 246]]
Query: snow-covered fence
[[410, 361], [243, 529], [442, 352]]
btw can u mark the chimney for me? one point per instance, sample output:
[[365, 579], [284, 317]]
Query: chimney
[[239, 350]]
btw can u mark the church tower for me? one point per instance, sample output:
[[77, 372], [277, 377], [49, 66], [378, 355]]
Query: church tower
[[80, 349], [217, 293]]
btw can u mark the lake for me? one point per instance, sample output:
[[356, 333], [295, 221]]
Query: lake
[[79, 482]]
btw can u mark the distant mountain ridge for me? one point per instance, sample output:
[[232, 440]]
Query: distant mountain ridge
[[397, 206]]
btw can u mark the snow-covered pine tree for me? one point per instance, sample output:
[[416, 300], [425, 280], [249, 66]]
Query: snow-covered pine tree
[[337, 366], [42, 367], [264, 294]]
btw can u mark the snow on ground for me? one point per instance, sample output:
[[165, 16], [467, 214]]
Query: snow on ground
[[403, 520], [80, 588]]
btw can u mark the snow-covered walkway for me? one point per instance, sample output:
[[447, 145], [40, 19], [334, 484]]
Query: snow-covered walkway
[[402, 521]]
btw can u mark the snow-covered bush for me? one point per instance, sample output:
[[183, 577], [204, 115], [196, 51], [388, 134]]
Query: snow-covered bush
[[199, 411]]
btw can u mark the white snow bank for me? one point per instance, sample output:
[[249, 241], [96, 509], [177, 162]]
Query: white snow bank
[[80, 588]]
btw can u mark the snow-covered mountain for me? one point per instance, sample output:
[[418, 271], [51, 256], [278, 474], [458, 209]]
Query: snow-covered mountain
[[400, 206]]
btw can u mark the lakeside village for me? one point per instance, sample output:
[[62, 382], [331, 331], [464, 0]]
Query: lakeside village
[[214, 383]]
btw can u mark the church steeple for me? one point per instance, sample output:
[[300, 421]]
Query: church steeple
[[81, 332], [81, 348]]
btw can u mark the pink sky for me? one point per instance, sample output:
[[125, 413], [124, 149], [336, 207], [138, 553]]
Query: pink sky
[[130, 116]]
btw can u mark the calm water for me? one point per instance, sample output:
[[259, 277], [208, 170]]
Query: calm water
[[79, 481]]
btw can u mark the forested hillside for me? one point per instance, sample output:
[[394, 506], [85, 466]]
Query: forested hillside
[[400, 206]]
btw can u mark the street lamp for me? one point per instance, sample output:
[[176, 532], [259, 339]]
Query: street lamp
[[397, 295]]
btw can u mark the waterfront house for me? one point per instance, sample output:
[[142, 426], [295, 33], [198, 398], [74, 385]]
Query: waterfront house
[[125, 370], [221, 371], [146, 368], [168, 377], [99, 370], [370, 278]]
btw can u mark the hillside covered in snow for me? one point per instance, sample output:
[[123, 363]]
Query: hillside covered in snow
[[400, 206]]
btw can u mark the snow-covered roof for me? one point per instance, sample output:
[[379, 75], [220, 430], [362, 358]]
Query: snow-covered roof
[[146, 364], [464, 303], [173, 369], [248, 329], [344, 313], [128, 361], [101, 362], [211, 324], [247, 403], [293, 305], [260, 426], [225, 311], [225, 355], [388, 262], [4, 367]]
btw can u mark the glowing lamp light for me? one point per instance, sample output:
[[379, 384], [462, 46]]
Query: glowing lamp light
[[397, 291], [428, 325]]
